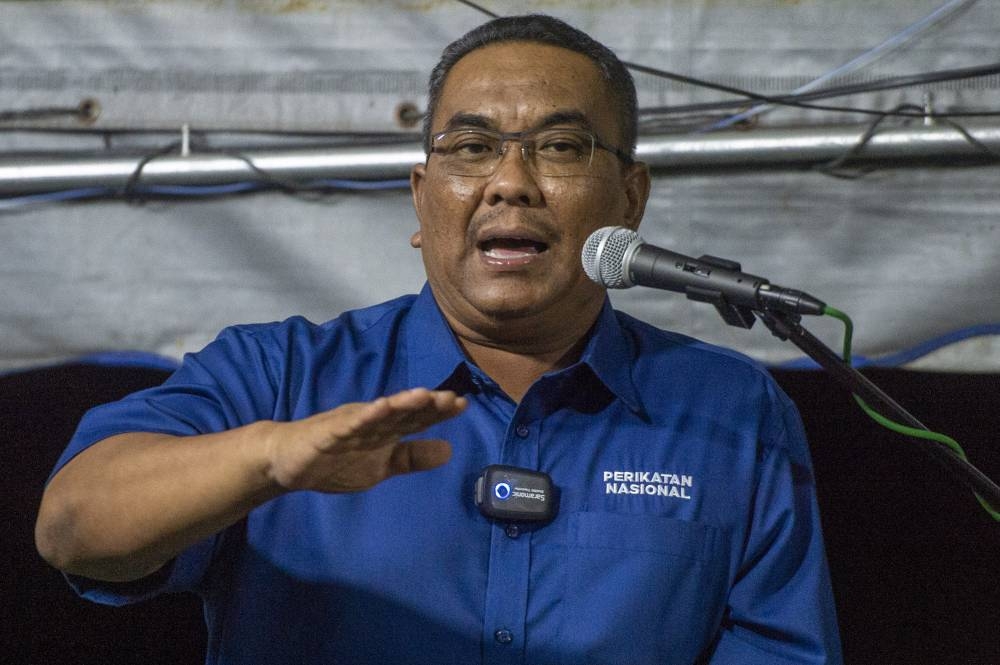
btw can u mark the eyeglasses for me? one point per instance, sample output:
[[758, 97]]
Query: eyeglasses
[[549, 152]]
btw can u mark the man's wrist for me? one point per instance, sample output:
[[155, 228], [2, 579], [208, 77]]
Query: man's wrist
[[260, 442]]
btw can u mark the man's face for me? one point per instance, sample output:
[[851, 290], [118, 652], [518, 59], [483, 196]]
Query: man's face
[[506, 246]]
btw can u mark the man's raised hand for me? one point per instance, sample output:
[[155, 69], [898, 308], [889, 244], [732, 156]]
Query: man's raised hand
[[357, 445]]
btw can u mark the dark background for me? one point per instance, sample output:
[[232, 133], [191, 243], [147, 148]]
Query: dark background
[[914, 558]]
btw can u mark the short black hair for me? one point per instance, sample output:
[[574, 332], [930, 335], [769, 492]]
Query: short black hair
[[542, 29]]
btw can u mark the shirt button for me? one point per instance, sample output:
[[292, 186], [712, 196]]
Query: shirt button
[[513, 531], [503, 636], [522, 431]]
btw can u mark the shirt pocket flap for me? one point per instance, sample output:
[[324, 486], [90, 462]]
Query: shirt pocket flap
[[644, 533]]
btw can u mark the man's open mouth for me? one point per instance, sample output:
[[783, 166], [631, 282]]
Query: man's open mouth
[[511, 248]]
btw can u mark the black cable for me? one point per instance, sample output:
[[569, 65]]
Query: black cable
[[478, 8], [851, 89], [645, 69], [310, 192], [130, 191], [792, 100], [834, 167], [985, 149], [746, 94], [82, 111], [290, 187], [660, 72]]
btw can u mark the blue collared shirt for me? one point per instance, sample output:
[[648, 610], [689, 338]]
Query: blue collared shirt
[[687, 523]]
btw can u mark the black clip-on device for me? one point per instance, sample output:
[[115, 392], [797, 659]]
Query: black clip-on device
[[512, 494]]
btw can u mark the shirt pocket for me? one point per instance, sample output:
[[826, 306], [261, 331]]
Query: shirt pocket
[[640, 588]]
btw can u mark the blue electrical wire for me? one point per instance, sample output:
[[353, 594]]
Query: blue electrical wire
[[16, 202], [238, 187], [141, 359], [906, 355], [199, 190], [366, 185], [136, 359], [920, 350]]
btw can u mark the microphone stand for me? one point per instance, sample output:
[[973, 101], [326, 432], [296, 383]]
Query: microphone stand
[[787, 327]]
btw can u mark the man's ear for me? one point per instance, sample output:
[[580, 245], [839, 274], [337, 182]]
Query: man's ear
[[416, 183], [637, 185]]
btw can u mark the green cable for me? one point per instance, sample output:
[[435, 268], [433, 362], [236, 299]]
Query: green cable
[[897, 427]]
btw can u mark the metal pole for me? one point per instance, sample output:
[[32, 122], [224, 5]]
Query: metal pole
[[673, 153], [815, 145]]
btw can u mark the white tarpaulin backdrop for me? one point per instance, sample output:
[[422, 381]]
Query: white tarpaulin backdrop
[[912, 254]]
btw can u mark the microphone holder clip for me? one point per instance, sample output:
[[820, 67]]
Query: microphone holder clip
[[739, 316]]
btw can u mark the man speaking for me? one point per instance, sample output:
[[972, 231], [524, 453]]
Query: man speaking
[[316, 485]]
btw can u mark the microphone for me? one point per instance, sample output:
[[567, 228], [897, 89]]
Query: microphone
[[618, 258]]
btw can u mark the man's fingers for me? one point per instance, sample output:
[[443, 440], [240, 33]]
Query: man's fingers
[[418, 455], [402, 414], [357, 445], [424, 401]]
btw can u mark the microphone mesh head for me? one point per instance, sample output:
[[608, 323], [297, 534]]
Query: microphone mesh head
[[604, 253]]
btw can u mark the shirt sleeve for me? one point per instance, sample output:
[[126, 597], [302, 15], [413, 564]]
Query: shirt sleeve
[[225, 385], [781, 608]]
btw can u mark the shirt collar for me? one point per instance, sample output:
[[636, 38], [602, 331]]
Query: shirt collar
[[435, 356], [433, 351], [610, 354]]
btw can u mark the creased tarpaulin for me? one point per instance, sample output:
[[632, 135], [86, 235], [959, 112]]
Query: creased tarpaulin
[[911, 254]]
